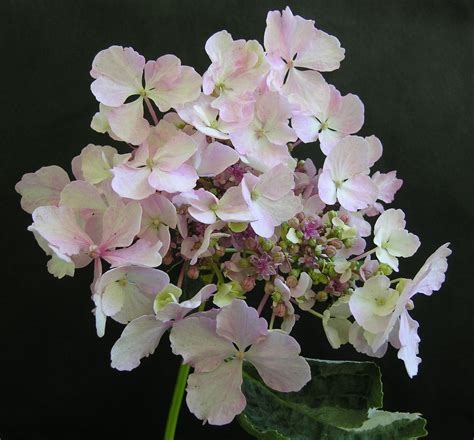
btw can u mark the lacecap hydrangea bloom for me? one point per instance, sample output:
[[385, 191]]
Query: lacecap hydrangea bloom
[[206, 189]]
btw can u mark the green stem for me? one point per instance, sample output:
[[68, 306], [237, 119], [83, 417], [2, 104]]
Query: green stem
[[315, 313], [217, 271], [176, 402]]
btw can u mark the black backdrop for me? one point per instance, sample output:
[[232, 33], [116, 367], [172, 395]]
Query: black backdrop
[[409, 62]]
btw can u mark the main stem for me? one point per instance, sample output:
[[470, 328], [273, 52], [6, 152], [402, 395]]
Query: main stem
[[176, 402], [180, 385]]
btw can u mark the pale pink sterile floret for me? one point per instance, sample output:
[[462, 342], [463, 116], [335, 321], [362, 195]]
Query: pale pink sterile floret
[[42, 188], [287, 312], [237, 66], [206, 208], [392, 239], [157, 168], [271, 199], [297, 52], [329, 120], [211, 159], [126, 293], [113, 237], [428, 280], [303, 292], [141, 337], [158, 216], [118, 74], [387, 184], [205, 118], [216, 348], [262, 143], [345, 175]]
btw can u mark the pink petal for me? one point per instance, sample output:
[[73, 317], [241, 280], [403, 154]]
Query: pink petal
[[118, 72], [196, 340], [215, 158], [121, 223], [138, 340], [159, 207], [141, 253], [278, 362], [327, 188], [357, 193], [241, 324], [132, 183], [181, 179], [350, 116], [276, 183], [42, 188], [58, 226], [128, 123], [169, 84], [216, 396], [175, 152], [375, 149], [306, 127]]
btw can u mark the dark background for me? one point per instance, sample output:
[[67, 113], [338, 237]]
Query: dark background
[[410, 63]]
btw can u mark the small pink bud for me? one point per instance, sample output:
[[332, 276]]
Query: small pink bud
[[330, 251], [280, 310], [248, 284], [291, 281], [193, 272], [168, 259]]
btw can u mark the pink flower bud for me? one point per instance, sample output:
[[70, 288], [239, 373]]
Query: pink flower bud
[[193, 272], [248, 284], [279, 310]]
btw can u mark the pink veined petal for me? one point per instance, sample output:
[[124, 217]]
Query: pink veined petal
[[196, 340], [216, 396], [357, 193], [281, 210], [141, 253], [357, 339], [179, 180], [388, 185], [328, 139], [118, 72], [233, 208], [42, 188], [241, 324], [350, 117], [322, 53], [121, 223], [327, 188], [281, 134], [165, 237], [128, 123], [278, 362], [58, 226], [206, 217], [215, 158], [138, 340], [132, 183], [175, 152], [348, 158], [276, 183], [375, 149], [306, 127], [267, 156], [169, 84], [301, 86], [94, 163]]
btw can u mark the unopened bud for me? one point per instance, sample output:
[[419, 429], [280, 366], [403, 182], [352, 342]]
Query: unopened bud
[[280, 310], [248, 284], [250, 244], [269, 288], [338, 244], [321, 296], [278, 257], [330, 251], [291, 281], [193, 272], [294, 249], [293, 223]]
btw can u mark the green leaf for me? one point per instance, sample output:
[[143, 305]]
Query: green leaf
[[336, 404]]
